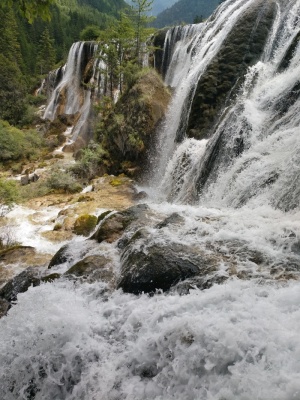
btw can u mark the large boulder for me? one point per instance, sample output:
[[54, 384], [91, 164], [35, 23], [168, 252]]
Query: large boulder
[[113, 227], [159, 267], [149, 263]]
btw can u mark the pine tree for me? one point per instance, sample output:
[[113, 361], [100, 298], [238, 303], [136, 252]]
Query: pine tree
[[46, 53], [141, 21], [12, 85]]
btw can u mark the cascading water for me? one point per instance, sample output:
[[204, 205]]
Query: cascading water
[[68, 95], [233, 341]]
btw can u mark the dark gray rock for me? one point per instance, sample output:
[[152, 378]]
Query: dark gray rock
[[60, 257], [4, 307], [173, 219], [160, 267], [19, 284]]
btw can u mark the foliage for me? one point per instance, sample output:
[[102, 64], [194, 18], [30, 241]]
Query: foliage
[[46, 53], [8, 195], [123, 46], [141, 20], [16, 144], [63, 182], [12, 84], [31, 9], [90, 162], [91, 32]]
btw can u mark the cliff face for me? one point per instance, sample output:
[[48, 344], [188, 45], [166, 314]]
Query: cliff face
[[242, 48], [129, 131]]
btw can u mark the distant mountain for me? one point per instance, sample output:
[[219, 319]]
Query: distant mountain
[[159, 5], [185, 11]]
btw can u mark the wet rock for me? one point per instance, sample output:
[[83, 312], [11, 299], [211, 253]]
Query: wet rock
[[114, 226], [4, 307], [24, 180], [29, 178], [50, 278], [93, 268], [199, 282], [19, 284], [140, 196], [173, 219], [102, 216], [160, 267], [60, 257]]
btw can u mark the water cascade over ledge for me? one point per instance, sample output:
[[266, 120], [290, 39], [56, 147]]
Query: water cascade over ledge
[[72, 88], [223, 214]]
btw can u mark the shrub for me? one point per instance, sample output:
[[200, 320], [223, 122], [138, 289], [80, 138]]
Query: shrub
[[9, 195], [63, 181], [16, 144], [90, 162]]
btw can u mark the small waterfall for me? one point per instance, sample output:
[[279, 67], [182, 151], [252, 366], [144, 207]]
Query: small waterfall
[[71, 91], [177, 52]]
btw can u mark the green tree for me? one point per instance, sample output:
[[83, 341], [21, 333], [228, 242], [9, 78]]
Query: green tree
[[46, 53], [31, 9], [12, 85], [91, 32], [140, 16]]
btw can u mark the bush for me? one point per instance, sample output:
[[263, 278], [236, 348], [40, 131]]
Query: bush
[[90, 162], [63, 182], [9, 195], [16, 144], [91, 32]]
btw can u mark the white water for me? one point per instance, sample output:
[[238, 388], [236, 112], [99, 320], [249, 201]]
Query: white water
[[235, 341], [77, 98], [204, 46]]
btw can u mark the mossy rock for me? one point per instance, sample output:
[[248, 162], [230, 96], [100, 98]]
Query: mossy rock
[[116, 182], [102, 216], [84, 224], [225, 74]]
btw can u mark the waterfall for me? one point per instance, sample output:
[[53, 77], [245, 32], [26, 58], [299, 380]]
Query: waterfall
[[248, 157], [68, 95], [227, 180], [203, 48]]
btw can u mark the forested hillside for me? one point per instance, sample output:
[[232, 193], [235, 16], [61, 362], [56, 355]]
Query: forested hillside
[[28, 51], [158, 5], [185, 11]]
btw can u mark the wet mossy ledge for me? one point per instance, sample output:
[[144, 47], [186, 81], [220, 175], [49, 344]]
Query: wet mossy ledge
[[224, 76], [128, 133]]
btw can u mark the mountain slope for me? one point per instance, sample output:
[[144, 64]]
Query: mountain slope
[[185, 11], [158, 5]]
